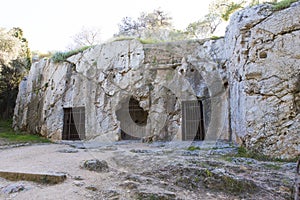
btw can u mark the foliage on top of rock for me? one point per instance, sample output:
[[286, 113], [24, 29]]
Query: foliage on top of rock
[[62, 56], [153, 26], [283, 4]]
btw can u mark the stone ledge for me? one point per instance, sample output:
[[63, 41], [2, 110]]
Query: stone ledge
[[44, 178]]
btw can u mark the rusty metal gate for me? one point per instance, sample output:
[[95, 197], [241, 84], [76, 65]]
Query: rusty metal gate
[[74, 124], [192, 120]]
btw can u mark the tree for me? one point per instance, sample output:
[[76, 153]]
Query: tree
[[15, 61], [9, 82], [155, 25], [224, 8], [205, 27], [88, 36], [219, 11], [130, 27], [9, 47], [155, 20], [24, 58]]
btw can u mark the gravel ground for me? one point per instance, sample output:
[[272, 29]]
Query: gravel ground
[[144, 171]]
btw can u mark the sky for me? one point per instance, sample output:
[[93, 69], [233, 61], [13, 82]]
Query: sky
[[50, 25]]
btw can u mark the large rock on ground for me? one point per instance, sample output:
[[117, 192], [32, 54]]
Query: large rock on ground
[[96, 165]]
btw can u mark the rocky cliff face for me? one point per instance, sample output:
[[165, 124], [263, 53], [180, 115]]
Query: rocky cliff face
[[264, 78], [126, 88], [248, 84]]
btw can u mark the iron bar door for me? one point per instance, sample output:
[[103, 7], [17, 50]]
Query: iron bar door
[[74, 124], [192, 120]]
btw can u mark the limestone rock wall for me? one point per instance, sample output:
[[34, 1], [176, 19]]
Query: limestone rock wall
[[248, 82], [264, 78], [104, 79]]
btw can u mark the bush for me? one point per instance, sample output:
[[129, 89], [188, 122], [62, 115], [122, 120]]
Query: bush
[[283, 4], [123, 39], [62, 56], [216, 37]]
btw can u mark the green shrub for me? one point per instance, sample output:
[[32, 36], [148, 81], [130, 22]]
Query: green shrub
[[231, 8], [283, 4], [141, 40], [62, 56], [122, 39], [216, 37]]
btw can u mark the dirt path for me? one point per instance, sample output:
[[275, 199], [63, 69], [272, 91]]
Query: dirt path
[[143, 171]]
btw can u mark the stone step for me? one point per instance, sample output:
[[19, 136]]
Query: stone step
[[44, 178]]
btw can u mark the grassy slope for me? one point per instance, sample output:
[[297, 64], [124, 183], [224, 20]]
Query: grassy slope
[[8, 134]]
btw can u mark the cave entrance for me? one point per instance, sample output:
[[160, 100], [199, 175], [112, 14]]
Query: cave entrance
[[192, 120], [74, 124], [133, 120]]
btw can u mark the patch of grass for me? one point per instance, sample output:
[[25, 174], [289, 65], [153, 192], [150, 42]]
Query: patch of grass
[[272, 166], [243, 152], [214, 37], [62, 56], [224, 182], [283, 4], [15, 137], [208, 173], [227, 158], [237, 186], [7, 133], [149, 41], [193, 148], [123, 39]]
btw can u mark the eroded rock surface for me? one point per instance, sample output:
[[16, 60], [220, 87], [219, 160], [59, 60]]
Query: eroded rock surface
[[13, 188], [95, 165], [248, 83], [264, 79], [107, 79], [150, 171]]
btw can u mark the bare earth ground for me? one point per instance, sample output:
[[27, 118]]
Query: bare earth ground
[[145, 171]]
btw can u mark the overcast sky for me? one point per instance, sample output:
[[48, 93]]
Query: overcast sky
[[49, 25]]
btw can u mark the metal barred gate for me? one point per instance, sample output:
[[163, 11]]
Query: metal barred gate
[[74, 124], [192, 120]]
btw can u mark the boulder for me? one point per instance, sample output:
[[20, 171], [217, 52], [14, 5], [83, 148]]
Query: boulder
[[13, 188], [96, 165]]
